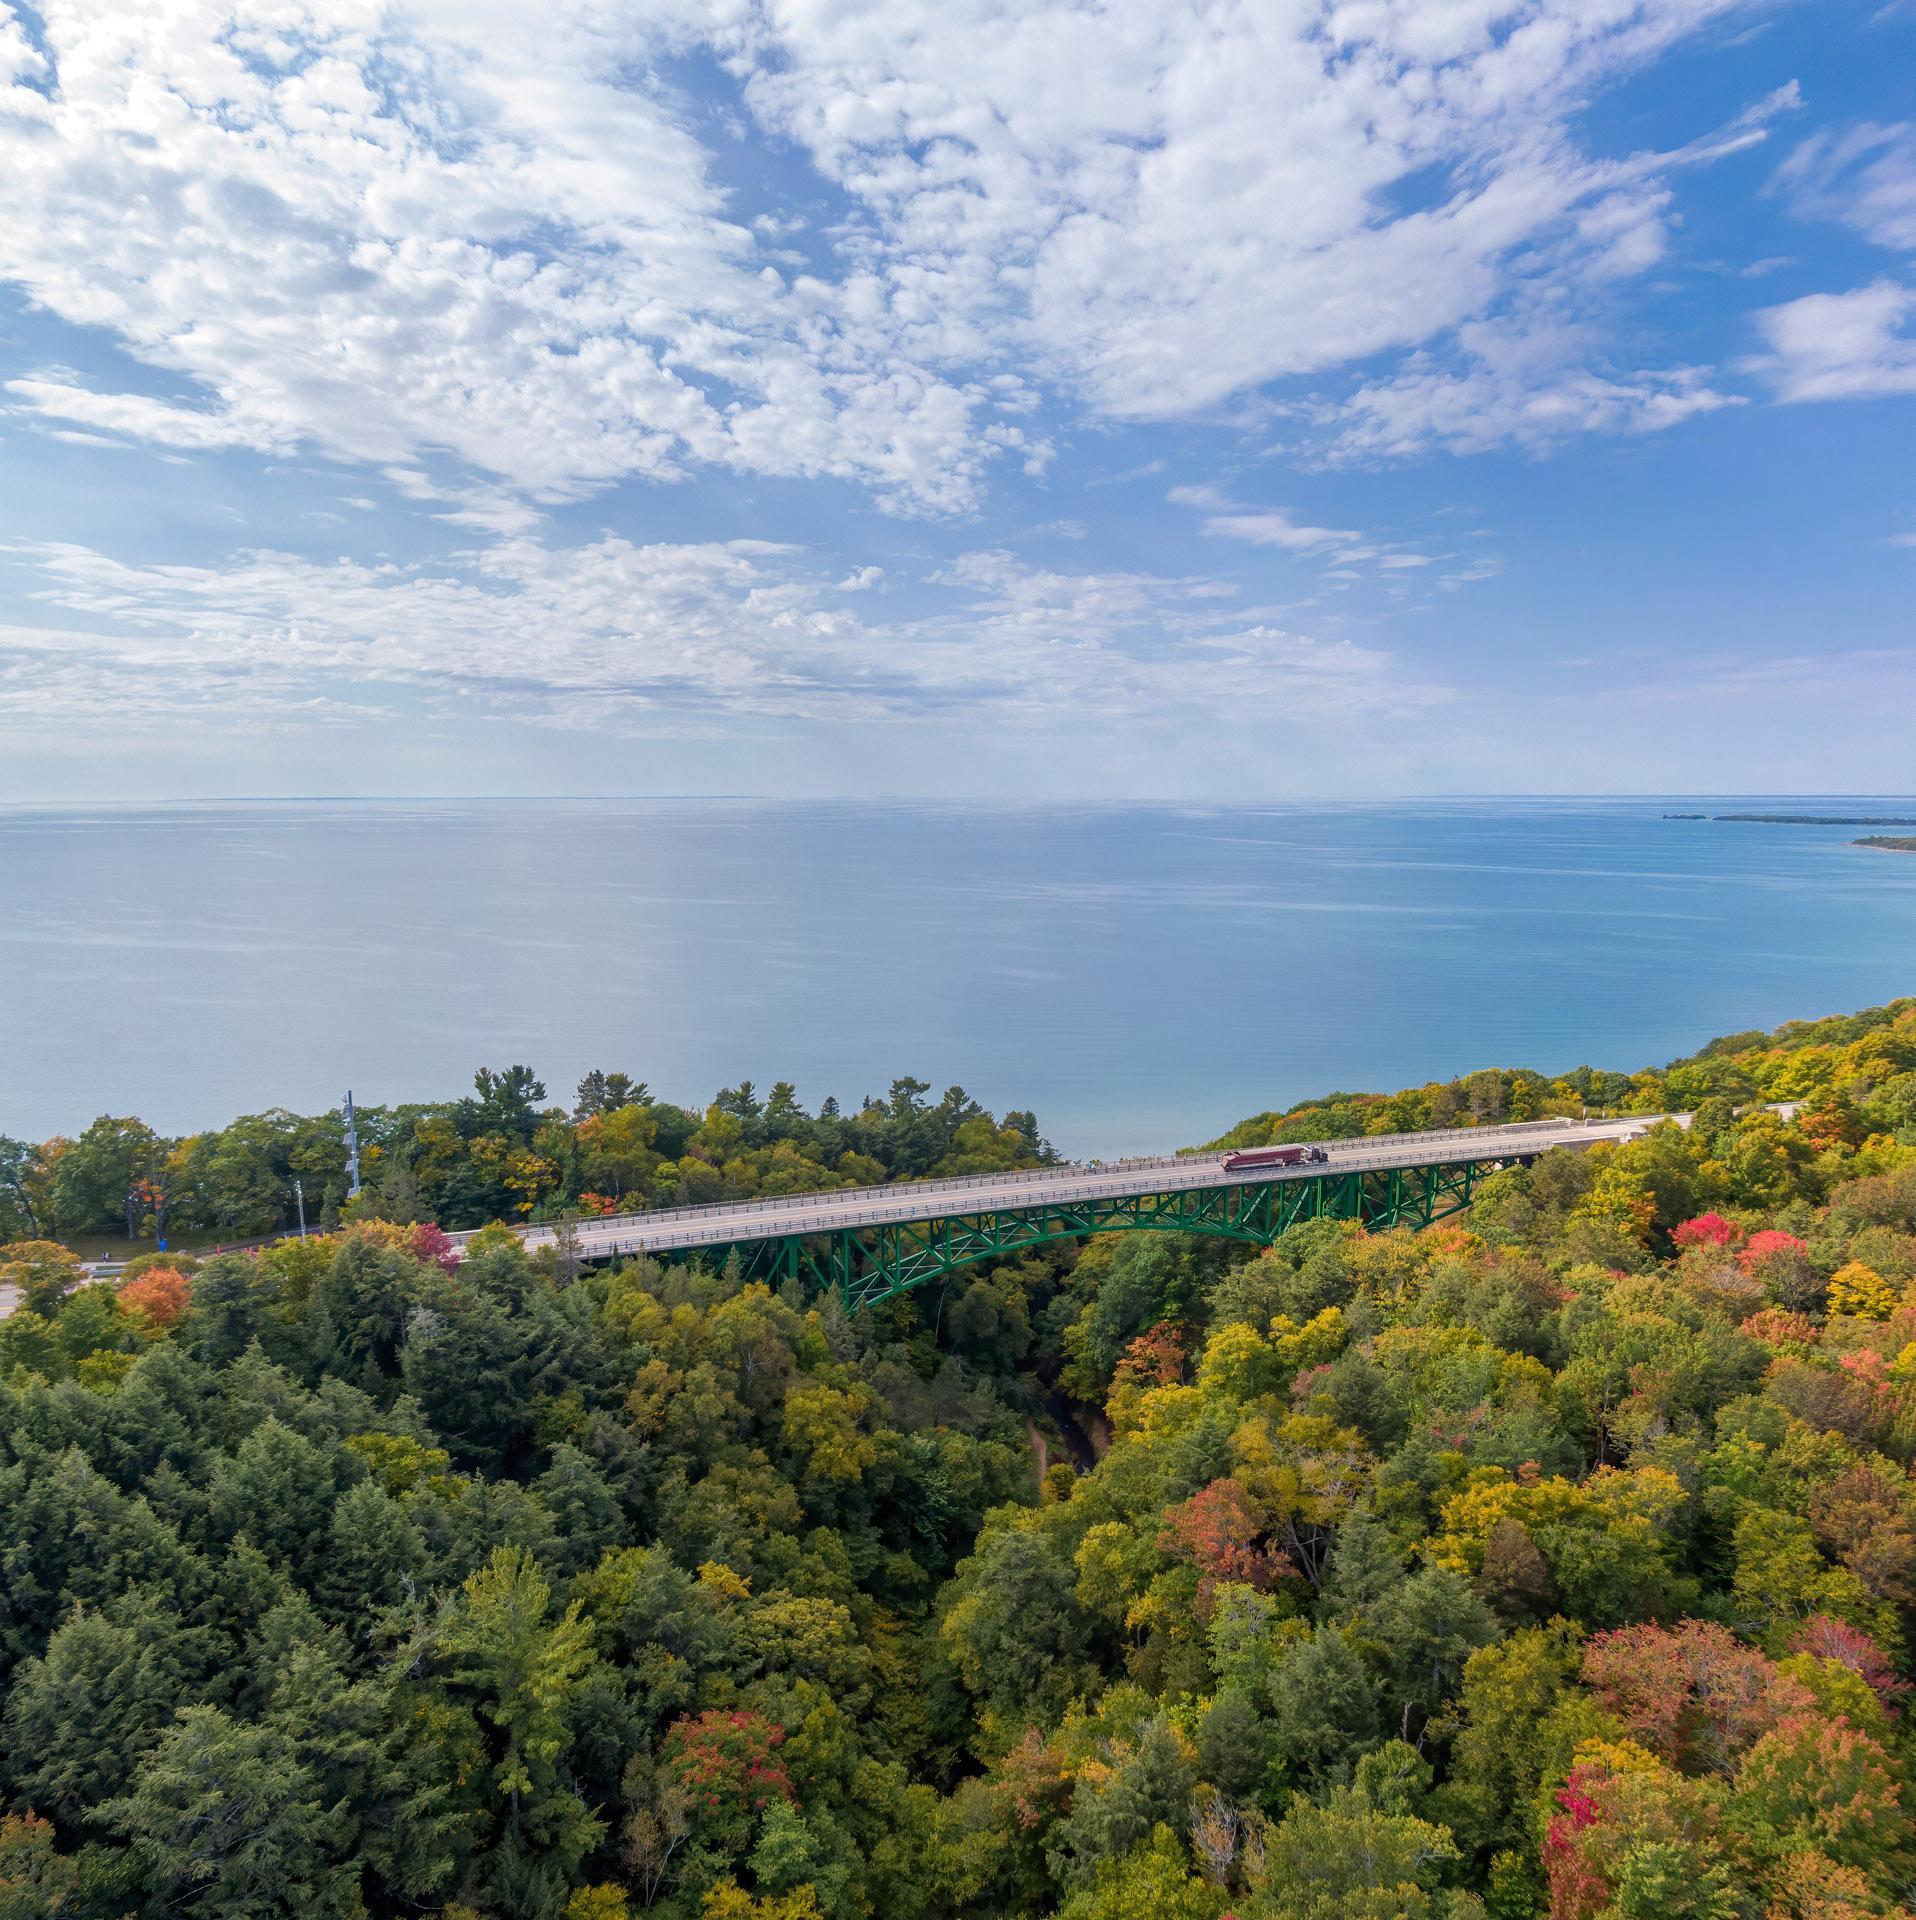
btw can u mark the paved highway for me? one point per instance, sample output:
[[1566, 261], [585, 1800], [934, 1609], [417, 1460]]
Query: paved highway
[[680, 1228]]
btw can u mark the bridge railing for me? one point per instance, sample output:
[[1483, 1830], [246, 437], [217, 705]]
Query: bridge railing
[[763, 1202], [669, 1239], [667, 1218]]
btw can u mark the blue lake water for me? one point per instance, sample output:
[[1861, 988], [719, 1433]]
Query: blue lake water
[[1142, 977]]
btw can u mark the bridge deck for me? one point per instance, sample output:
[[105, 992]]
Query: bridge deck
[[743, 1222]]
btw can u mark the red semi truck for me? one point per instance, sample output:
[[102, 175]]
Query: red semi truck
[[1275, 1157]]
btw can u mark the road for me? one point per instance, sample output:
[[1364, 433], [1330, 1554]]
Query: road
[[681, 1228]]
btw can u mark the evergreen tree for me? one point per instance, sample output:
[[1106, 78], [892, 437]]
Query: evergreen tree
[[223, 1820], [1152, 1788]]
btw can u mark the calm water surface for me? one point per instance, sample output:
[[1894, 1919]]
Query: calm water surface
[[1142, 977]]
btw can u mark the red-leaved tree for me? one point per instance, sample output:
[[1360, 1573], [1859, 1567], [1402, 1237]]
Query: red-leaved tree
[[1706, 1230], [1767, 1241], [1220, 1531], [1694, 1694], [1828, 1638], [1154, 1359], [430, 1242], [727, 1763]]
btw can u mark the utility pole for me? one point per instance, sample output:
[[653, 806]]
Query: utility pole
[[352, 1149], [299, 1200]]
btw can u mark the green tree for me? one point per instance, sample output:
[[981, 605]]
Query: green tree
[[80, 1718], [522, 1673], [43, 1271], [585, 1511], [24, 1194], [277, 1490], [95, 1174], [1359, 1854], [508, 1103], [1151, 1788], [375, 1556], [1326, 1707], [1430, 1625], [1151, 1882], [222, 1819], [1015, 1627]]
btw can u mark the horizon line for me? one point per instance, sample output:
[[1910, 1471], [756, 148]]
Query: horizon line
[[967, 800]]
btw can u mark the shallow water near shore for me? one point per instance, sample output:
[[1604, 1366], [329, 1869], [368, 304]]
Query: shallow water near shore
[[1141, 976]]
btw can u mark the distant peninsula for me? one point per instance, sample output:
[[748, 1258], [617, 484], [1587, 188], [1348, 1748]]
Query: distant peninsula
[[1890, 843], [1807, 820]]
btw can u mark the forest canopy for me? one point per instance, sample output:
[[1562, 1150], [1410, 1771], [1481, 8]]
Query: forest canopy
[[1558, 1561], [501, 1153]]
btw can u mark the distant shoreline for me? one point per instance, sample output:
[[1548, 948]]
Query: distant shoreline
[[1807, 820], [1889, 843]]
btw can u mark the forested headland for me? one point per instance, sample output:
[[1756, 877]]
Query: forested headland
[[1559, 1561]]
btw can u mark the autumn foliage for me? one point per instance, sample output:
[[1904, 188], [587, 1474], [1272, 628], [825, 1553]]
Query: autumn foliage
[[432, 1243], [1706, 1230], [1695, 1695], [1220, 1531], [1767, 1243], [727, 1764], [1558, 1564], [160, 1296]]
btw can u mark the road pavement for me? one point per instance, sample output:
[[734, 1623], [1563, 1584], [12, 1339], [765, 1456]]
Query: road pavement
[[681, 1228]]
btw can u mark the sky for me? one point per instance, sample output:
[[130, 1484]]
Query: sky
[[1211, 400]]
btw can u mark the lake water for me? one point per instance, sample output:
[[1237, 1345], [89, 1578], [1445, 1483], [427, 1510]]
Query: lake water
[[1142, 977]]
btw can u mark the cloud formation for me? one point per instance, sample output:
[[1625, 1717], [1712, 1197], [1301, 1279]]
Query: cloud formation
[[1864, 176], [496, 236], [1261, 526], [1221, 196], [480, 231], [525, 307], [1859, 345], [616, 635]]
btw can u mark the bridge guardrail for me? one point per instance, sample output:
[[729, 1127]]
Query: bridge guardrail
[[1517, 1134], [774, 1200], [665, 1217]]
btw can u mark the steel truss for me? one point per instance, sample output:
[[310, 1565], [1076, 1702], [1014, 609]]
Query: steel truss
[[875, 1264]]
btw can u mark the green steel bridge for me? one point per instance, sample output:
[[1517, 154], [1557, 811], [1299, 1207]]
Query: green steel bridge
[[868, 1244]]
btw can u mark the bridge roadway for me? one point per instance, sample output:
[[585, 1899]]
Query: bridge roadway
[[741, 1222]]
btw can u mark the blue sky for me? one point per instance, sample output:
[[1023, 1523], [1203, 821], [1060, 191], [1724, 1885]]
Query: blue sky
[[1222, 401]]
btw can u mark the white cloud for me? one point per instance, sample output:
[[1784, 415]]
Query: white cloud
[[613, 635], [477, 235], [1532, 385], [141, 418], [1212, 202], [472, 230], [1863, 176], [1260, 526], [1859, 345], [1348, 551]]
